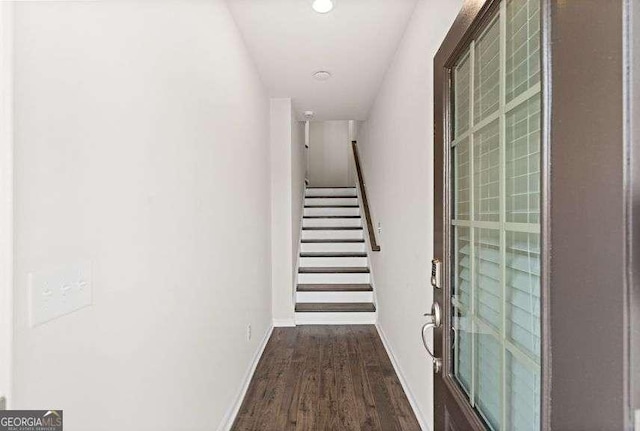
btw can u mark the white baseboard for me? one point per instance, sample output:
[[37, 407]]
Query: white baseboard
[[231, 414], [396, 366], [284, 323]]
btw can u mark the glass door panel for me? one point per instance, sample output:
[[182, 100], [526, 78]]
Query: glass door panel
[[495, 166]]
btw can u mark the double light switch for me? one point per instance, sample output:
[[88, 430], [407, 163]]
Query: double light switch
[[55, 292]]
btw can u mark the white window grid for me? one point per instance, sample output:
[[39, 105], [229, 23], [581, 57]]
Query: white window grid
[[521, 219]]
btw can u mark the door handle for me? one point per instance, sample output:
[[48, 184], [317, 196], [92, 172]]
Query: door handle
[[435, 316], [435, 320]]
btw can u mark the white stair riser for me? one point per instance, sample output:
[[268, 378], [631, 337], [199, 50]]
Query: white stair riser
[[340, 246], [368, 318], [331, 192], [332, 222], [332, 234], [320, 297], [334, 278], [323, 262], [330, 201], [332, 211]]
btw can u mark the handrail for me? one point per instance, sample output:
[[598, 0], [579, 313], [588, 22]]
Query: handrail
[[365, 201]]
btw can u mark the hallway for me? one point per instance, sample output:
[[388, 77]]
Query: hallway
[[319, 215], [325, 378]]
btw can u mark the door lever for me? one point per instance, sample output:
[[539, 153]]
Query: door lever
[[435, 316], [435, 320]]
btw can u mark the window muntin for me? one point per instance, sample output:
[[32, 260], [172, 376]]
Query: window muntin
[[495, 165]]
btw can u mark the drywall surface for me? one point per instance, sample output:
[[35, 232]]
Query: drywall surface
[[283, 237], [6, 201], [330, 154], [289, 41], [396, 147], [298, 173], [141, 145]]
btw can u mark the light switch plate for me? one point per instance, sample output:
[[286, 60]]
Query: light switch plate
[[58, 291]]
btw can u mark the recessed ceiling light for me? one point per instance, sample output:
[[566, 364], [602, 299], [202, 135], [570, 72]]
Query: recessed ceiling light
[[322, 75], [322, 6]]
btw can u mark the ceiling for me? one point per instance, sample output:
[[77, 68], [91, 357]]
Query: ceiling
[[356, 41]]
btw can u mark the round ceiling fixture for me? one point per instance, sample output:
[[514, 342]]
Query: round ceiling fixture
[[322, 75], [322, 6]]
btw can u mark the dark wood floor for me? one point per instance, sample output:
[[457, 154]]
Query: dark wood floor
[[325, 378]]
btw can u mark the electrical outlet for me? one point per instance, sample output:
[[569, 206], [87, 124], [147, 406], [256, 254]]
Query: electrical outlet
[[55, 292], [249, 332], [379, 228]]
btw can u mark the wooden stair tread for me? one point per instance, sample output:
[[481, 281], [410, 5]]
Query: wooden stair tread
[[335, 307], [332, 206], [334, 270], [334, 288], [332, 254], [333, 228], [339, 187], [333, 216], [330, 197], [330, 241]]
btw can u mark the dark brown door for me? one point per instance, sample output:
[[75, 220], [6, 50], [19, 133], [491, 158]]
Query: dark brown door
[[532, 218]]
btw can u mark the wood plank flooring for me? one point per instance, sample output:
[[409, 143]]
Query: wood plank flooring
[[315, 378]]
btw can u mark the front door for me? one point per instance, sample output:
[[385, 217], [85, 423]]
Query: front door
[[493, 221], [530, 222]]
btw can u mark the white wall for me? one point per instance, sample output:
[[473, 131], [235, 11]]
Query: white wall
[[330, 154], [396, 146], [6, 201], [284, 230], [353, 129], [142, 144], [298, 173]]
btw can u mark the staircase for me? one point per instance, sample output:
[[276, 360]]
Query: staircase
[[334, 281]]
